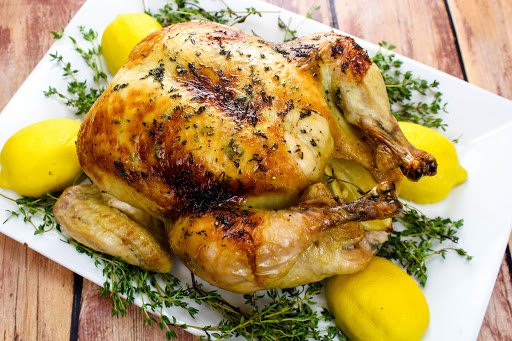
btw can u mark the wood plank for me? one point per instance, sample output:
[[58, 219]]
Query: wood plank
[[426, 38], [29, 286], [26, 38], [498, 320], [96, 322], [54, 298], [12, 261], [30, 283], [486, 48]]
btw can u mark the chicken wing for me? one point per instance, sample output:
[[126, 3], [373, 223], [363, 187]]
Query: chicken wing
[[87, 216]]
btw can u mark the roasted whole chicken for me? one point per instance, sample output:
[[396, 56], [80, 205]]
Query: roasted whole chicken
[[229, 148]]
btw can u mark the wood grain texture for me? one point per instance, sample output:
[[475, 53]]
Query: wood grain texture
[[36, 294], [484, 33], [420, 29], [96, 322], [29, 286], [25, 37], [498, 319], [29, 282], [302, 7]]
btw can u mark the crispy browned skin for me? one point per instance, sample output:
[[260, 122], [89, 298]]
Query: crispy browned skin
[[203, 114], [206, 121]]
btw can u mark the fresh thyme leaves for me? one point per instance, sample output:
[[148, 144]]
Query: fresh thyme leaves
[[287, 315], [402, 88], [41, 208], [91, 56], [81, 95], [124, 283], [121, 280], [183, 10], [420, 240], [289, 32]]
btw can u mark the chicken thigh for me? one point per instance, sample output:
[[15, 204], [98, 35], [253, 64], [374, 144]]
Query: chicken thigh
[[225, 137]]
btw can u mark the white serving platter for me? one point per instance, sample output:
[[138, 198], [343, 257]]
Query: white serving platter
[[457, 291]]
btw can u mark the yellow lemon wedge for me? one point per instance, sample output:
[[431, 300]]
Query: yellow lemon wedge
[[450, 173], [380, 303], [41, 158], [121, 36]]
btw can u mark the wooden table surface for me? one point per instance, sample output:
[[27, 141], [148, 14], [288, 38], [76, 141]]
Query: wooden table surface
[[469, 39]]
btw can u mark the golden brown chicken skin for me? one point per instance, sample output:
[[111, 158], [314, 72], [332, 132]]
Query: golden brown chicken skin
[[203, 114], [247, 250], [125, 232], [226, 137]]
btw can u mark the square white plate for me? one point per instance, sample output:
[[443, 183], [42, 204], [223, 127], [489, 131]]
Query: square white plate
[[457, 290]]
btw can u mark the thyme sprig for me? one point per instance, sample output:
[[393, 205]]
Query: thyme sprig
[[420, 240], [404, 88], [179, 11], [290, 32], [39, 208], [80, 95], [124, 283], [286, 314]]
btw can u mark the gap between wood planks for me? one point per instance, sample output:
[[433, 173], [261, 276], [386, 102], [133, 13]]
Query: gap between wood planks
[[76, 308], [508, 257], [456, 40], [334, 17]]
